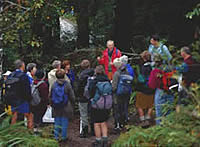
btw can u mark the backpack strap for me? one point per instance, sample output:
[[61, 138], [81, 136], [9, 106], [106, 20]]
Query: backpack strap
[[40, 82], [116, 51]]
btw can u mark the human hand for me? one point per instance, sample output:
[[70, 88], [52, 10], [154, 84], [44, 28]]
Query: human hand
[[98, 58]]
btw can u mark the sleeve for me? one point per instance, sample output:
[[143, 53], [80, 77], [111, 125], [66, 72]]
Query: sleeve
[[27, 88], [150, 49], [119, 54], [115, 81], [70, 93], [102, 60], [166, 51], [92, 88]]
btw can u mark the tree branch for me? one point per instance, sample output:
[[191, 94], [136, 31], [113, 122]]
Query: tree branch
[[14, 4]]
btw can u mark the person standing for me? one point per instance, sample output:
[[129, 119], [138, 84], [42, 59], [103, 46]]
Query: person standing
[[63, 101], [145, 95], [157, 47], [21, 90], [83, 101], [109, 55], [69, 72]]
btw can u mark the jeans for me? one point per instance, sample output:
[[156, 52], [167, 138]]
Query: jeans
[[61, 125], [161, 98]]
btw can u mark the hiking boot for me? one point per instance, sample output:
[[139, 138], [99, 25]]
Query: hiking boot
[[145, 124], [104, 141], [84, 132], [97, 143]]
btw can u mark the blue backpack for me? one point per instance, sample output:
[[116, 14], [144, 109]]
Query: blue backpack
[[130, 70], [103, 96], [59, 97], [125, 84]]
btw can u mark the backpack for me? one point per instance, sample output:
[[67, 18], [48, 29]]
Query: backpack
[[130, 70], [12, 93], [103, 96], [124, 84], [36, 94], [86, 93], [59, 98], [168, 83]]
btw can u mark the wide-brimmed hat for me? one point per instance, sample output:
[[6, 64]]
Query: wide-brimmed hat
[[7, 73], [117, 63], [124, 59]]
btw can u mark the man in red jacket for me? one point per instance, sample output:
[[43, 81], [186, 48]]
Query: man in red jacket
[[109, 55]]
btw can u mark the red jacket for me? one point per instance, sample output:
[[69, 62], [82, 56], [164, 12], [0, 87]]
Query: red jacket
[[105, 59]]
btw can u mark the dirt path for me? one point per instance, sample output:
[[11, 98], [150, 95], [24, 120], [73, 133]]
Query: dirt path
[[76, 141]]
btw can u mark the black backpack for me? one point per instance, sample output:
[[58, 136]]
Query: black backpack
[[13, 85]]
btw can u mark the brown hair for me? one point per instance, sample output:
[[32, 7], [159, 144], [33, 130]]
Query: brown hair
[[146, 56], [60, 74], [85, 64], [99, 70], [65, 63]]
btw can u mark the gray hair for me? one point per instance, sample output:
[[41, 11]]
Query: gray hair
[[18, 63], [30, 66], [186, 50], [56, 63], [110, 42]]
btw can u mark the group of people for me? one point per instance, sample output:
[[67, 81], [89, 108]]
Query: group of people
[[101, 90]]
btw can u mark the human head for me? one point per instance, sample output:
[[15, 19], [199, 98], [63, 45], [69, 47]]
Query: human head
[[154, 40], [99, 70], [40, 74], [56, 64], [66, 65], [60, 74], [117, 63], [19, 64], [146, 56], [185, 51], [110, 44], [85, 64], [31, 67], [124, 59]]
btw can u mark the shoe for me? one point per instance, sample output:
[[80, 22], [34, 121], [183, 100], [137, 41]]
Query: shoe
[[145, 124], [104, 142], [97, 144], [84, 133]]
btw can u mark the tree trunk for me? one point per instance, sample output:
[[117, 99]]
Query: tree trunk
[[83, 24], [123, 24]]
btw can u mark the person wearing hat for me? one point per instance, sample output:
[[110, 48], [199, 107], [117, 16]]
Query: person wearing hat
[[40, 109], [124, 60], [119, 101], [3, 91]]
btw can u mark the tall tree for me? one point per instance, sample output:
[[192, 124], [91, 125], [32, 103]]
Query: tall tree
[[123, 23], [83, 23]]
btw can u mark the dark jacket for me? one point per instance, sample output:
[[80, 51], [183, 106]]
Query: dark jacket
[[44, 94], [23, 93], [145, 71], [82, 81], [92, 85], [68, 109]]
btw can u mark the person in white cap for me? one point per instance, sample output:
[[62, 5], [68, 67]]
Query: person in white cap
[[3, 91]]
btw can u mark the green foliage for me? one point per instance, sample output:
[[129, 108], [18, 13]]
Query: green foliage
[[17, 135], [194, 12], [178, 129], [26, 28]]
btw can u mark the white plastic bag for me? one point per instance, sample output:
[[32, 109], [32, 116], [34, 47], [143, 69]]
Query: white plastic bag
[[47, 118]]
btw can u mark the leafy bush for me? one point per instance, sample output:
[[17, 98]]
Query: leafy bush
[[18, 135]]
